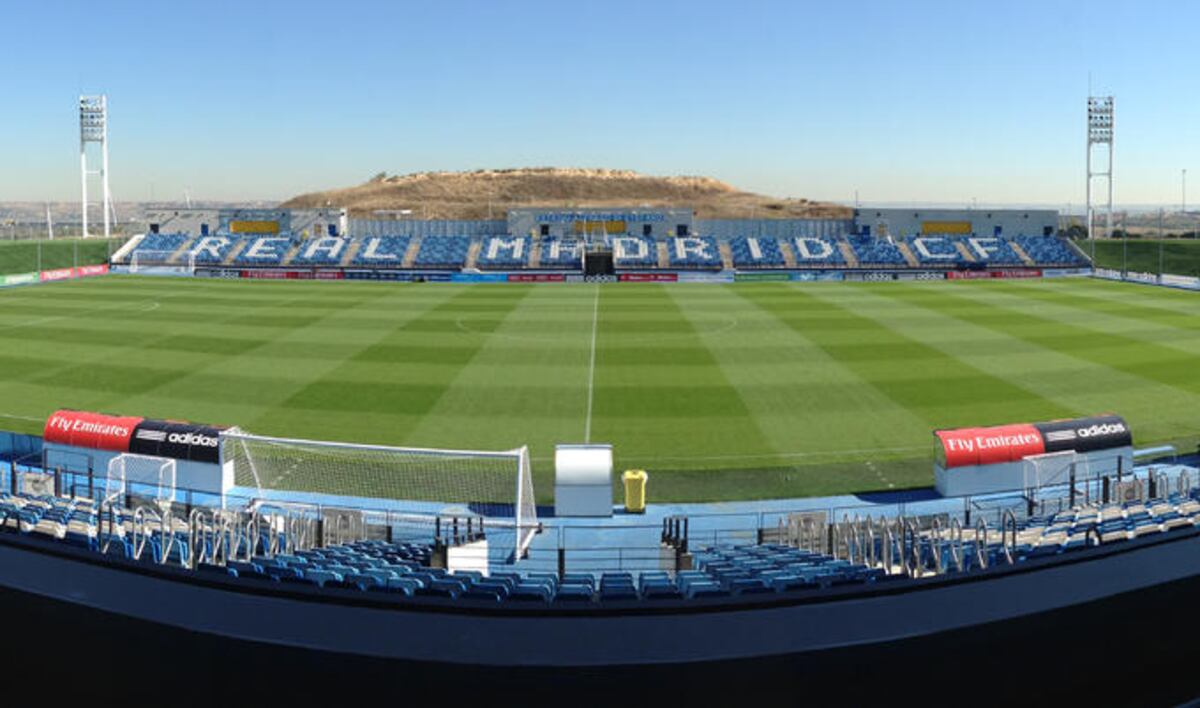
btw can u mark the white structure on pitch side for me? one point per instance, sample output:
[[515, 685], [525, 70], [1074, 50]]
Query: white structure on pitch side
[[93, 128], [1100, 133]]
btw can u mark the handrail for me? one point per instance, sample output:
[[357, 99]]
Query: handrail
[[981, 548], [935, 539], [1004, 537], [956, 544], [909, 533]]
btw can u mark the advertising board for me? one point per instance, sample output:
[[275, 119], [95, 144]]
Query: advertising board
[[648, 277]]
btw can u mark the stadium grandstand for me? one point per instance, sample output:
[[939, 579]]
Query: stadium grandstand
[[890, 243]]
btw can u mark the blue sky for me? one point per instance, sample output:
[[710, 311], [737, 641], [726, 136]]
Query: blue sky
[[919, 101]]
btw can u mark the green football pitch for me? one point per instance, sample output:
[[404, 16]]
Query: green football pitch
[[721, 392]]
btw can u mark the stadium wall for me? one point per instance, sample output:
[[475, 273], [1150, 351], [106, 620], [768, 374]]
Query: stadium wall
[[883, 221]]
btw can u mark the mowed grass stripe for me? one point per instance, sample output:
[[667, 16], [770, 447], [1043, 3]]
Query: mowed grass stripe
[[920, 390], [657, 426], [99, 377], [251, 381], [371, 398], [1056, 375], [808, 406], [1154, 417], [508, 379]]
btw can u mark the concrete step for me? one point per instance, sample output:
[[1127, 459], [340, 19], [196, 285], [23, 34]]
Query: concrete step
[[1016, 247], [535, 252], [473, 253], [238, 247], [726, 255], [908, 254], [351, 252], [411, 255], [789, 256], [966, 252], [664, 260], [848, 253]]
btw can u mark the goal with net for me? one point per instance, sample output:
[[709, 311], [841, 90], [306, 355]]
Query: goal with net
[[144, 261], [140, 476], [496, 483], [1055, 469]]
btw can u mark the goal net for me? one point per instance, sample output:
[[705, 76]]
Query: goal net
[[140, 475], [488, 483], [144, 261], [1055, 469]]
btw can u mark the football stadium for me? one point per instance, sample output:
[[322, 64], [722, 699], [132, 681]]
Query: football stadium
[[582, 436], [884, 439]]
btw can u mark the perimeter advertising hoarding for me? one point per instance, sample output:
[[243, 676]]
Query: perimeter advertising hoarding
[[19, 279], [985, 274], [537, 277], [821, 276], [762, 277], [57, 274], [648, 277], [397, 276], [705, 277], [478, 278]]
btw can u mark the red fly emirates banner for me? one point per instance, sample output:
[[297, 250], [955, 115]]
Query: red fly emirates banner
[[964, 447], [176, 439]]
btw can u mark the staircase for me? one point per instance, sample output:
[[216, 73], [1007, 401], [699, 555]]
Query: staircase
[[241, 245], [291, 254], [410, 256], [908, 254], [664, 260], [535, 253], [178, 252], [726, 255], [789, 257], [848, 253], [351, 252], [1016, 247], [966, 252], [473, 253]]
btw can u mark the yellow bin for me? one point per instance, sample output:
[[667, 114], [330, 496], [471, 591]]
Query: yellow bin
[[635, 491]]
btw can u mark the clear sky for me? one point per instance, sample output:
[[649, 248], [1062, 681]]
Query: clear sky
[[903, 101]]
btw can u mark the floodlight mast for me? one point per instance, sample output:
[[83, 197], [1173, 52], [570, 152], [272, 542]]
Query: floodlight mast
[[93, 128], [1099, 133]]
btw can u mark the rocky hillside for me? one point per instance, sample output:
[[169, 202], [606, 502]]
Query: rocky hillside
[[484, 193]]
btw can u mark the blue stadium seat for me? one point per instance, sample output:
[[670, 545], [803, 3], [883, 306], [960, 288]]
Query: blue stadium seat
[[382, 251], [756, 252], [815, 251], [695, 252], [443, 252], [504, 252]]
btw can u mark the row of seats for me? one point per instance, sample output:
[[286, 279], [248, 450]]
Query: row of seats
[[630, 252], [404, 568]]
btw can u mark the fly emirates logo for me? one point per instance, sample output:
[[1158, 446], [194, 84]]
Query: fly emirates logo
[[979, 443], [75, 425]]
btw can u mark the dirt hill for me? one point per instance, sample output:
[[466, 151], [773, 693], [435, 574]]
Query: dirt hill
[[484, 193]]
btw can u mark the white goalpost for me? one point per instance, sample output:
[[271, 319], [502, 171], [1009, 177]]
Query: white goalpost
[[140, 475], [1055, 469], [143, 261], [491, 483]]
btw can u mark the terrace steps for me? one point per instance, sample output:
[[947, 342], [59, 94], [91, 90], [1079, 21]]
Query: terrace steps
[[848, 253], [535, 253], [1016, 247], [351, 252], [789, 256], [726, 255], [908, 254], [966, 252], [239, 246], [473, 254], [291, 254], [664, 259], [414, 246], [178, 253]]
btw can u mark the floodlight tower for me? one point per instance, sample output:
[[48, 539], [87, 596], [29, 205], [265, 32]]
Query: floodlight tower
[[93, 128], [1100, 133]]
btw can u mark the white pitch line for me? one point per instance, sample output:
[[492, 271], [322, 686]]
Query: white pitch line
[[587, 426]]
